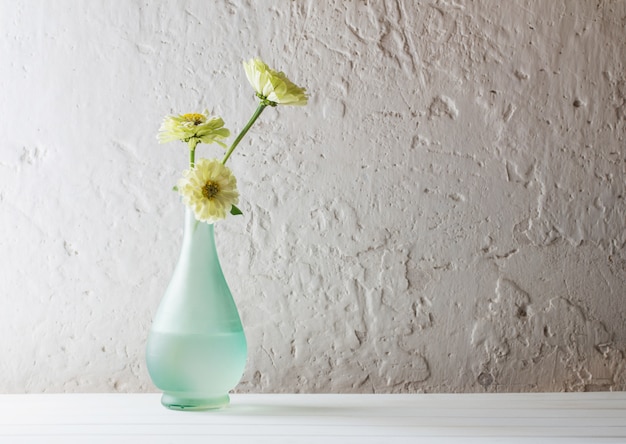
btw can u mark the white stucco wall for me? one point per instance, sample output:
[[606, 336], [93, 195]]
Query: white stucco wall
[[447, 214]]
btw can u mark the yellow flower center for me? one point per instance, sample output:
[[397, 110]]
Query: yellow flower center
[[210, 189], [194, 118]]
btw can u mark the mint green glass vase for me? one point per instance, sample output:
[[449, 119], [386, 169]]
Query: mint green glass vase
[[196, 350]]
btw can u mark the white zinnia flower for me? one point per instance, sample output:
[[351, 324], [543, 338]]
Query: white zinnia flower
[[193, 128], [273, 87], [209, 189]]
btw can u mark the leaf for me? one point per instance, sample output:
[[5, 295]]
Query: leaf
[[174, 188], [235, 211]]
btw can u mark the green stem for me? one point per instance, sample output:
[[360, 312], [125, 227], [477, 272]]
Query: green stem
[[243, 132], [192, 143]]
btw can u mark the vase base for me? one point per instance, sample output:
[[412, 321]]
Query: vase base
[[175, 401]]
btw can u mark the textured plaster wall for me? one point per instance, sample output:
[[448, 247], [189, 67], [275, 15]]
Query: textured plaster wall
[[447, 214]]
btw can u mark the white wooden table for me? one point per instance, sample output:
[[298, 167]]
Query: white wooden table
[[328, 419]]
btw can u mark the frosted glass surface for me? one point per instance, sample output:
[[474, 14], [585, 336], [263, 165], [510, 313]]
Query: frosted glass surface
[[196, 349]]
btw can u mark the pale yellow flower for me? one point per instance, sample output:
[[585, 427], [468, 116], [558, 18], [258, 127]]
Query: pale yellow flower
[[193, 128], [209, 189], [273, 87]]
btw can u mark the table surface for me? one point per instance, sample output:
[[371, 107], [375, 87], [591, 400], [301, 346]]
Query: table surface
[[328, 419]]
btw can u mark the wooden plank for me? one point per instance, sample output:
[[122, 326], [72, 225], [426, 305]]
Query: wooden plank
[[302, 440], [510, 418], [320, 430]]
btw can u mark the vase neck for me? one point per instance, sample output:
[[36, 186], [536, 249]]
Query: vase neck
[[196, 231]]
